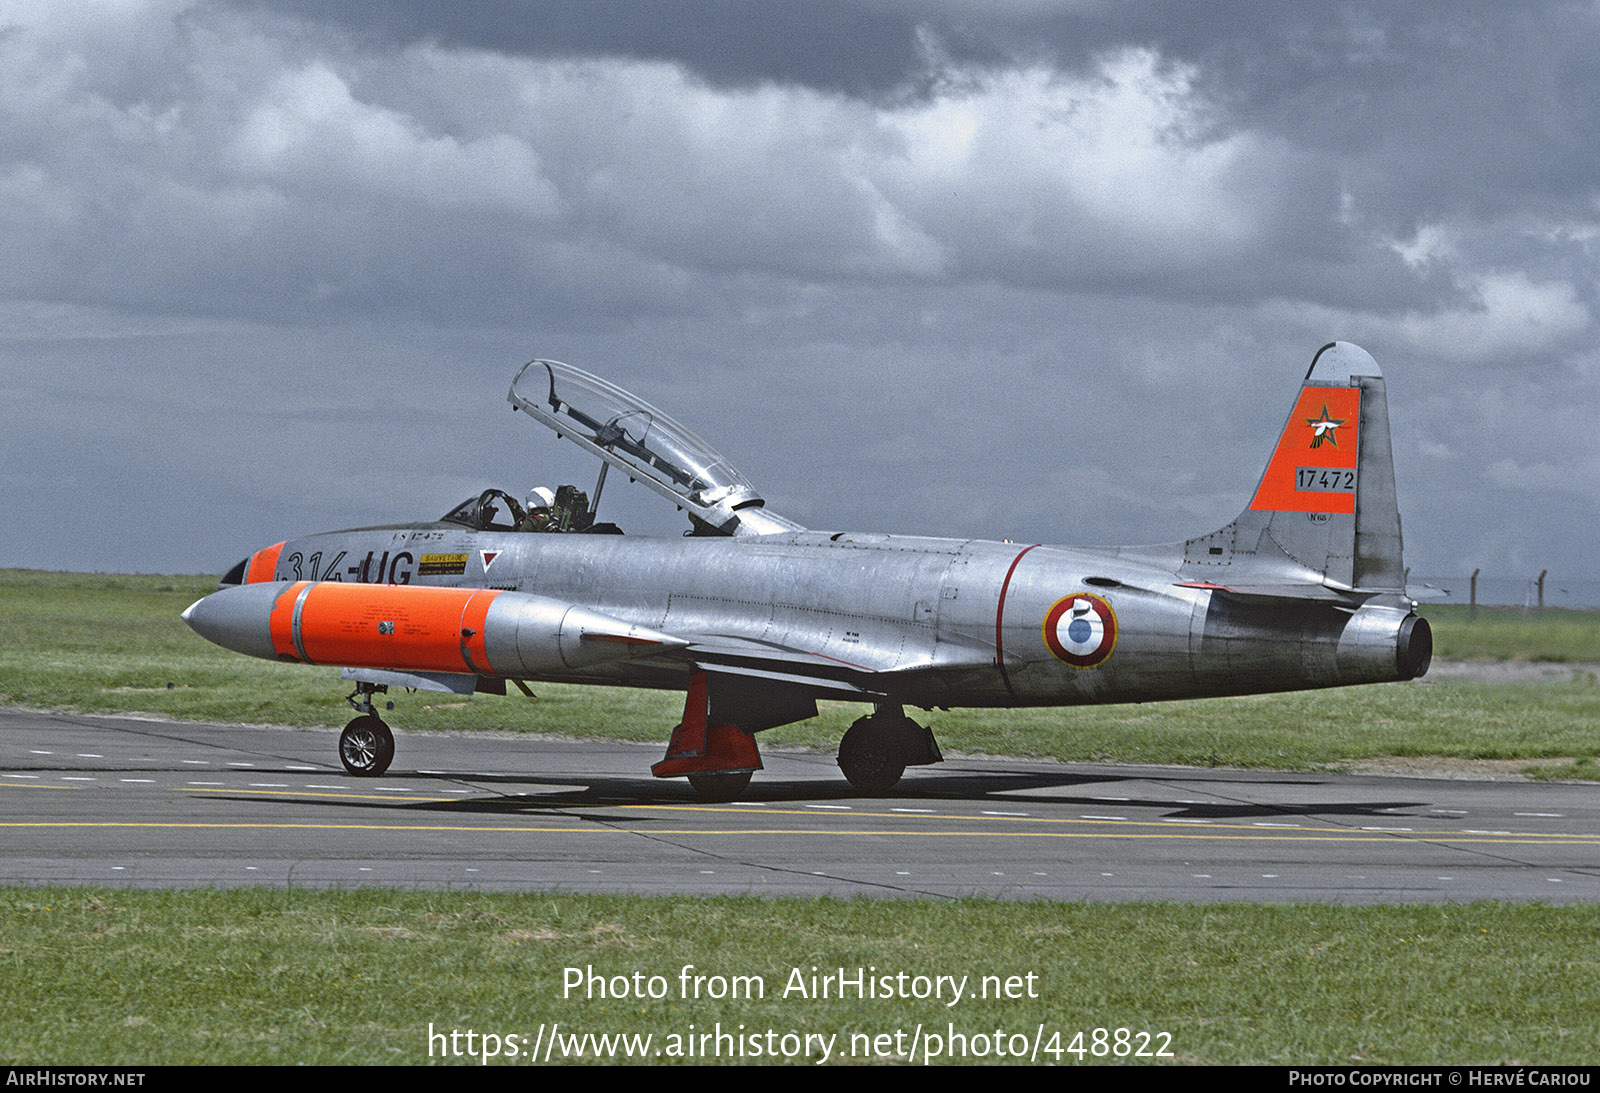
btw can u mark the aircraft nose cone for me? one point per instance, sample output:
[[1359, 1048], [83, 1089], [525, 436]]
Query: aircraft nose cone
[[237, 618]]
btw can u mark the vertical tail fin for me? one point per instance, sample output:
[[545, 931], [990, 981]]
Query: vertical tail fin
[[1325, 510]]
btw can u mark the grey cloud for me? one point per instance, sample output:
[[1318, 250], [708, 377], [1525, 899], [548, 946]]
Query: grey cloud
[[979, 269]]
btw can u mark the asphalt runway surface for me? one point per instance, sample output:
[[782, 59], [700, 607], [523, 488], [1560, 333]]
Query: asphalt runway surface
[[159, 804]]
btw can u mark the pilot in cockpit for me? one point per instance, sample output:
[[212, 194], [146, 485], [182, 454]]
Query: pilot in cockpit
[[538, 503]]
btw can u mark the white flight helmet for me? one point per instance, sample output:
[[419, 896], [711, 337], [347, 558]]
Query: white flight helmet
[[540, 497]]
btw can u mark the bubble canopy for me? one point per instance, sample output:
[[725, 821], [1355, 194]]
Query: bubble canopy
[[649, 445]]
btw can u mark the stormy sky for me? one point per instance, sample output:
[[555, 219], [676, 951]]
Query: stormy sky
[[1048, 271]]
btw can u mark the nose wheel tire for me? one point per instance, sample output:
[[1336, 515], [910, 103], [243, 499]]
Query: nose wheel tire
[[366, 747]]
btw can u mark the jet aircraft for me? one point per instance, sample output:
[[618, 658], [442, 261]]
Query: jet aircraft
[[755, 618]]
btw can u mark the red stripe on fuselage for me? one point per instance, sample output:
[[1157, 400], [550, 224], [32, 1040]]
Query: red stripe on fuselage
[[999, 622]]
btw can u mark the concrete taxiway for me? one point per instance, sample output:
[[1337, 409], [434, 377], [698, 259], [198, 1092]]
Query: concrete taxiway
[[123, 801]]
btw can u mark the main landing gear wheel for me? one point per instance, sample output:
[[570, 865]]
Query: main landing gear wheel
[[720, 787], [869, 758], [879, 747], [366, 747]]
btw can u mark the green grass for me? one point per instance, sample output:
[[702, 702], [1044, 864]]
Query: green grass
[[270, 976], [1515, 633], [1303, 730], [115, 644], [264, 976], [1581, 769]]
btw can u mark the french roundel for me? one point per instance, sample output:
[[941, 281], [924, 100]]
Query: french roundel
[[1081, 630]]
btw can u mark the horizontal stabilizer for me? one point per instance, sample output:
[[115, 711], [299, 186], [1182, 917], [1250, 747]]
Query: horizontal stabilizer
[[1298, 593]]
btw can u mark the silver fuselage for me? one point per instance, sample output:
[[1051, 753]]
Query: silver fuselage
[[923, 621]]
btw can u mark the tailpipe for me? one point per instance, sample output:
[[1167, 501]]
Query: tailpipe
[[1414, 647], [1382, 643]]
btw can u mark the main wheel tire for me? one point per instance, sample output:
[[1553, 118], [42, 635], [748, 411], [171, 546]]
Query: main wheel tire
[[720, 787], [366, 747], [868, 759]]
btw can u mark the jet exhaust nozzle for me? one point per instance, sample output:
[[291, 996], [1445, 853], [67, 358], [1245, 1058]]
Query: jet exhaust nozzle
[[1383, 643], [1414, 647]]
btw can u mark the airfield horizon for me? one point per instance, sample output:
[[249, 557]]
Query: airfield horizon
[[114, 643]]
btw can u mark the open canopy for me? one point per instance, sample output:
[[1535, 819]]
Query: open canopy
[[646, 444]]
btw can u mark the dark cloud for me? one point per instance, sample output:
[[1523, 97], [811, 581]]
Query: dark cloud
[[853, 46], [1016, 268]]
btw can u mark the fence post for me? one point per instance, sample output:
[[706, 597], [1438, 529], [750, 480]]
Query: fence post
[[1540, 584], [1472, 611]]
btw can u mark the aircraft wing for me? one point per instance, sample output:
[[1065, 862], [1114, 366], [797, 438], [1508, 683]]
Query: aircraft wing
[[869, 672], [779, 663], [725, 655], [733, 656]]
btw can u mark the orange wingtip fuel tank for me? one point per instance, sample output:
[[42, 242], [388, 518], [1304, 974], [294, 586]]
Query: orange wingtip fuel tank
[[418, 629]]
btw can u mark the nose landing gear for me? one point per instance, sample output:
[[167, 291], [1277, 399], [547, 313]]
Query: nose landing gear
[[366, 747]]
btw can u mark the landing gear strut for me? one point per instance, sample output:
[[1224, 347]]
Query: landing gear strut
[[879, 747], [366, 747], [718, 759]]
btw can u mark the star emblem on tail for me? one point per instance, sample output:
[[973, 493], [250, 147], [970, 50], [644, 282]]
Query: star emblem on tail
[[1322, 428]]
